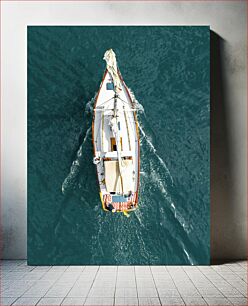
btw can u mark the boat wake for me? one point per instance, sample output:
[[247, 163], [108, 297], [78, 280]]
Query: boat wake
[[89, 108], [156, 180], [75, 170], [155, 203], [149, 142]]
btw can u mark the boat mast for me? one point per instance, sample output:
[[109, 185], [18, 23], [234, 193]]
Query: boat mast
[[117, 139], [112, 68]]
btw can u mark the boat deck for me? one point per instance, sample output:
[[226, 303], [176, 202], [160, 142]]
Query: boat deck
[[117, 175]]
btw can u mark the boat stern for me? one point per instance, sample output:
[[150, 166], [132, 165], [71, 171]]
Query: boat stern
[[119, 203]]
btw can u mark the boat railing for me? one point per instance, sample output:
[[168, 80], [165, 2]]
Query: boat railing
[[103, 109]]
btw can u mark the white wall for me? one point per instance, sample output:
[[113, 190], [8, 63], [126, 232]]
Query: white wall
[[228, 126]]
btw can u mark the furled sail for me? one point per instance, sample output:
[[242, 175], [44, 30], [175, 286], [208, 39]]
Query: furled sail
[[110, 59]]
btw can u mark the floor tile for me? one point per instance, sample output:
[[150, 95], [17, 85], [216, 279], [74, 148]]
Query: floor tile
[[58, 268], [13, 292], [26, 301], [103, 283], [126, 292], [162, 276], [217, 301], [166, 301], [7, 300], [147, 292], [73, 301], [85, 279], [94, 285], [238, 301], [58, 291], [108, 268], [125, 283], [141, 276], [71, 275], [141, 282], [33, 275], [121, 301], [189, 292], [50, 301], [24, 268], [164, 292], [15, 275], [81, 290], [91, 269], [99, 301], [51, 276], [210, 292], [126, 275], [41, 268], [149, 301], [230, 292], [38, 290], [125, 269], [105, 275], [142, 269], [194, 301], [102, 292], [75, 269]]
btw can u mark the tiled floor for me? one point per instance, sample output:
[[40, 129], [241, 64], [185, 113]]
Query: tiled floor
[[123, 285]]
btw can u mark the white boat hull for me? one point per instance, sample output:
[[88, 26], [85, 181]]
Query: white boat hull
[[117, 159]]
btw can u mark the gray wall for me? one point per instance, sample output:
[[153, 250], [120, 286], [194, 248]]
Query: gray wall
[[228, 104]]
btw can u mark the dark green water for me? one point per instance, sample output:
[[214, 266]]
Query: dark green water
[[168, 70]]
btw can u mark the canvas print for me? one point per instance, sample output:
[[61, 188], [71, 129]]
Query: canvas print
[[118, 145]]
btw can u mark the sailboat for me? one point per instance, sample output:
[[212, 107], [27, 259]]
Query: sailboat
[[116, 144]]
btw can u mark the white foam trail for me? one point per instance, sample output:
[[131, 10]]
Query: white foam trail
[[75, 164], [155, 178], [176, 215], [161, 184], [139, 216], [180, 218], [86, 135], [89, 107], [155, 152], [139, 107], [147, 139], [187, 255]]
